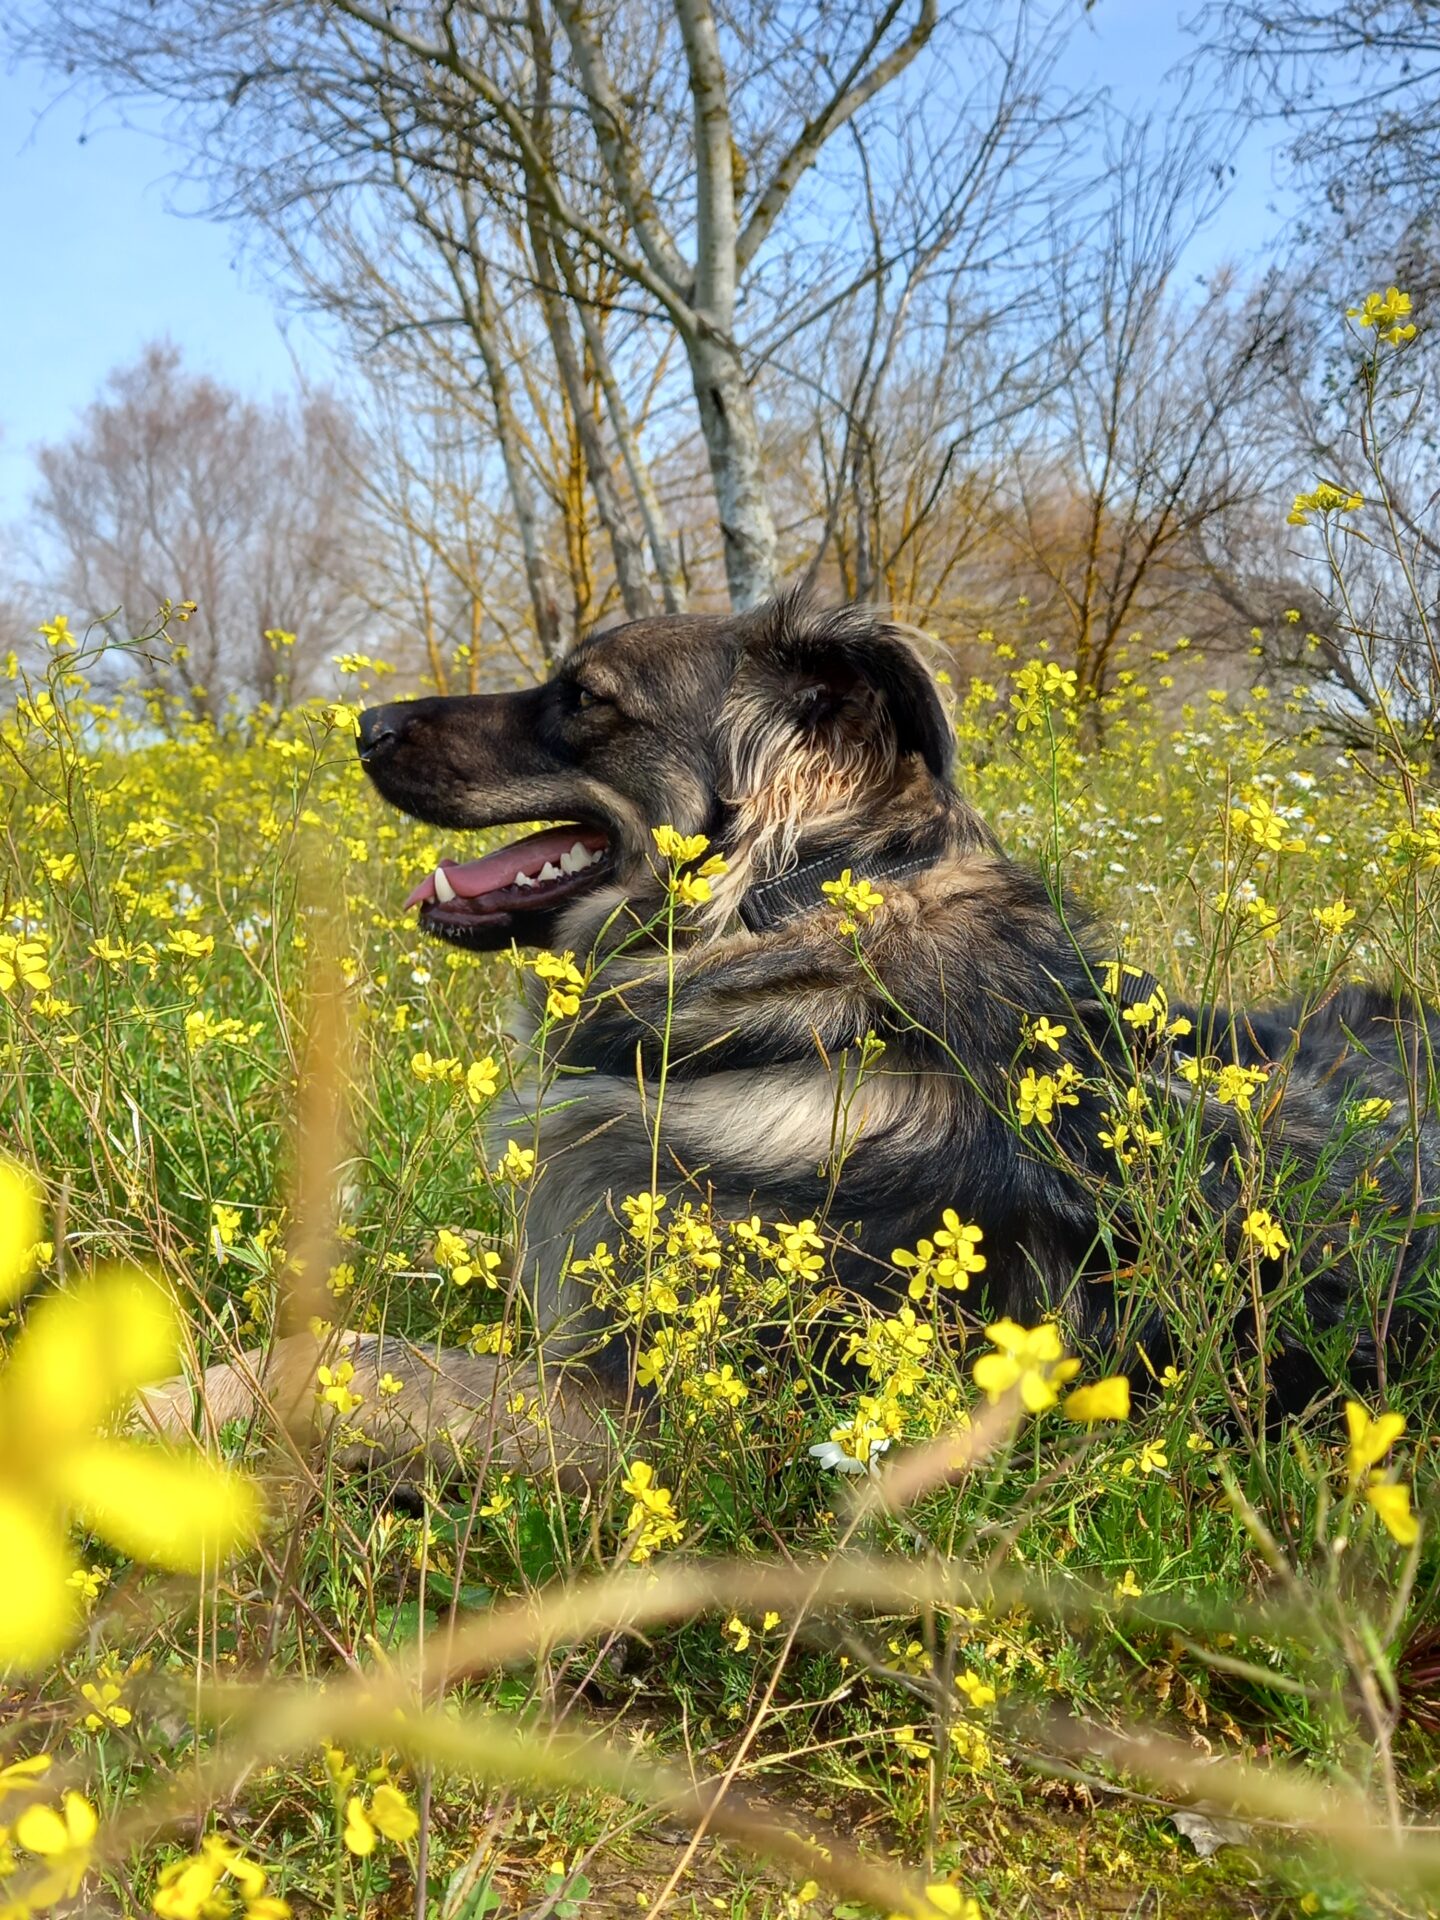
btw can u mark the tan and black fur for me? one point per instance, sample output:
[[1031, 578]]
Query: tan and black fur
[[791, 738]]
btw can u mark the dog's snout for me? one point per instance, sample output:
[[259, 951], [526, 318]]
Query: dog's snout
[[380, 731]]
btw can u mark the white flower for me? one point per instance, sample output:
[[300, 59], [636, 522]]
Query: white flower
[[833, 1457]]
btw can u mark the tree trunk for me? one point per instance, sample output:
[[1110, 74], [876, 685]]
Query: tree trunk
[[732, 441], [662, 548], [626, 547], [538, 573]]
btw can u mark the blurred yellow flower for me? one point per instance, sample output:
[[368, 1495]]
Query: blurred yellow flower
[[64, 1840], [941, 1902], [1391, 1500], [79, 1362], [388, 1813], [1370, 1438], [1030, 1358], [1104, 1400]]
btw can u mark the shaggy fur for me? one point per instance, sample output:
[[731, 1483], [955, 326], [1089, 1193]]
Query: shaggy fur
[[790, 737]]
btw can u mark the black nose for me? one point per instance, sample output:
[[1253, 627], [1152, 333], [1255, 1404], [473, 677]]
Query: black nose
[[379, 730]]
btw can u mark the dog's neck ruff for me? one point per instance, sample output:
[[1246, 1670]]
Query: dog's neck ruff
[[770, 903]]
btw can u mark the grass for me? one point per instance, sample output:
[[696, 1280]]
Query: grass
[[998, 1683]]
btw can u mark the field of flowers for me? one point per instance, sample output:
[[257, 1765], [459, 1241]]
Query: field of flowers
[[240, 1095]]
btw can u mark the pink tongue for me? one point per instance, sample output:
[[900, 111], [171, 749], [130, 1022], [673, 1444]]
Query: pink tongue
[[472, 879]]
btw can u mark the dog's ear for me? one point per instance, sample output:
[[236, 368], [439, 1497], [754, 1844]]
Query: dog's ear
[[832, 670]]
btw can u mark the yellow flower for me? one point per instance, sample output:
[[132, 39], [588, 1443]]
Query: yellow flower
[[1030, 1358], [723, 1388], [358, 1833], [22, 1774], [1233, 1086], [653, 1521], [564, 982], [1333, 919], [333, 1389], [224, 1225], [1105, 1400], [389, 1386], [425, 1066], [189, 945], [941, 1902], [1388, 313], [1041, 1032], [1260, 1227], [56, 632], [1039, 1094], [79, 1361], [1152, 1458], [852, 896], [680, 848], [1325, 499], [1260, 823], [106, 1702], [802, 1250], [62, 1839], [516, 1164], [89, 1582], [24, 963], [1391, 1500], [1038, 686], [482, 1078], [739, 1632], [389, 1813], [1129, 1588], [1370, 1439], [978, 1692]]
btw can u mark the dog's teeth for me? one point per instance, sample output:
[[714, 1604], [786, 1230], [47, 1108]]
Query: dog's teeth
[[569, 863], [579, 856], [522, 880], [550, 871], [444, 892]]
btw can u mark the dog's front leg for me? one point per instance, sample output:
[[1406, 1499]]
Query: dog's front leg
[[443, 1411]]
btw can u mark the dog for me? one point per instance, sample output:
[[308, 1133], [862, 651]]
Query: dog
[[811, 750]]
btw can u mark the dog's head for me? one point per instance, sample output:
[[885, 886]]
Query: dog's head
[[760, 731]]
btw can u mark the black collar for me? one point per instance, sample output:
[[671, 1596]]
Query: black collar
[[769, 903]]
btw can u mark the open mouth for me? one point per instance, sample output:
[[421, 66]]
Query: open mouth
[[464, 897]]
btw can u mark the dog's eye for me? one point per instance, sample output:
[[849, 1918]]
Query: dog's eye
[[585, 699]]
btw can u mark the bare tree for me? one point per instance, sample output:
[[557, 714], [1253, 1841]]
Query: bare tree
[[1147, 441], [1356, 82], [173, 487], [679, 170], [1349, 599]]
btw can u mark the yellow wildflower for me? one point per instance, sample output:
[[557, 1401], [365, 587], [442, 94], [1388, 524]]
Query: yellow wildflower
[[1030, 1358], [1264, 1231], [1104, 1400], [1391, 1500], [1370, 1439], [79, 1361]]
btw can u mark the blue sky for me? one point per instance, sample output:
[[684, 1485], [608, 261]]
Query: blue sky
[[100, 263]]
